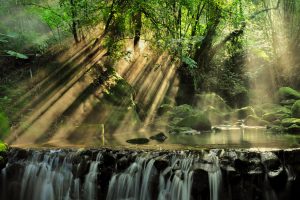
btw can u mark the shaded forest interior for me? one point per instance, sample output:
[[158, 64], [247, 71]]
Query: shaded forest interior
[[71, 68]]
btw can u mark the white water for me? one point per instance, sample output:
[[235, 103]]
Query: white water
[[47, 177], [178, 185], [134, 182], [214, 176]]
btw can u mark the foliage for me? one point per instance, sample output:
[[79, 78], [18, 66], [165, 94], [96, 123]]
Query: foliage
[[4, 125]]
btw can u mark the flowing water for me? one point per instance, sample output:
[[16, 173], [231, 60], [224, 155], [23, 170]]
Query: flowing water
[[146, 175]]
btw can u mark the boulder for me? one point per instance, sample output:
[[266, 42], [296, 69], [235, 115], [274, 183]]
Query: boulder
[[271, 117], [138, 141], [161, 163], [287, 93], [182, 111], [159, 137], [296, 109], [198, 122], [276, 174], [242, 113]]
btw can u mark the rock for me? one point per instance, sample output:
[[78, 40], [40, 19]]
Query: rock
[[182, 111], [271, 117], [109, 159], [138, 141], [161, 163], [198, 122], [200, 186], [287, 93], [276, 174], [2, 163], [242, 113], [159, 137], [255, 121], [296, 109], [83, 168], [183, 130], [123, 163]]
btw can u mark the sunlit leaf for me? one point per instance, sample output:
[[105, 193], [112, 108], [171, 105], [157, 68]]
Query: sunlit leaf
[[16, 54]]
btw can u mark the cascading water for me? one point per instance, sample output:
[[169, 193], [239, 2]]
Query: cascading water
[[178, 185], [215, 177], [114, 175], [134, 182], [50, 176]]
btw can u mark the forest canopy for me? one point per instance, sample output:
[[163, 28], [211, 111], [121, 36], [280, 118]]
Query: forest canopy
[[213, 39]]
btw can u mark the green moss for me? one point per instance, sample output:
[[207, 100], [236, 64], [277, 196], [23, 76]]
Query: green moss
[[198, 122], [287, 93], [182, 111], [4, 126], [271, 117], [3, 147], [296, 109], [290, 121]]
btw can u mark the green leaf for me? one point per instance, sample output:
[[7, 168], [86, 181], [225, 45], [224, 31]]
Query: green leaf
[[190, 62], [16, 54], [3, 40]]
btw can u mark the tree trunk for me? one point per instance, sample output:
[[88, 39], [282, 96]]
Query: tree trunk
[[74, 22], [137, 20]]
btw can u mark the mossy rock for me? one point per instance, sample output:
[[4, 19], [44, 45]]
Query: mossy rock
[[182, 111], [287, 122], [255, 121], [4, 126], [3, 147], [271, 117], [198, 122], [296, 109], [242, 113], [287, 93], [183, 130]]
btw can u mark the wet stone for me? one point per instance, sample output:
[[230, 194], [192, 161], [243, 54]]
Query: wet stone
[[138, 141]]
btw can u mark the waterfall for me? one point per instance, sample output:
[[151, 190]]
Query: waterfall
[[49, 176], [214, 176], [178, 185], [90, 180], [134, 182], [130, 175]]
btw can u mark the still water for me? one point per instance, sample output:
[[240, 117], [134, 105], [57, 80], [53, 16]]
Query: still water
[[228, 137]]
